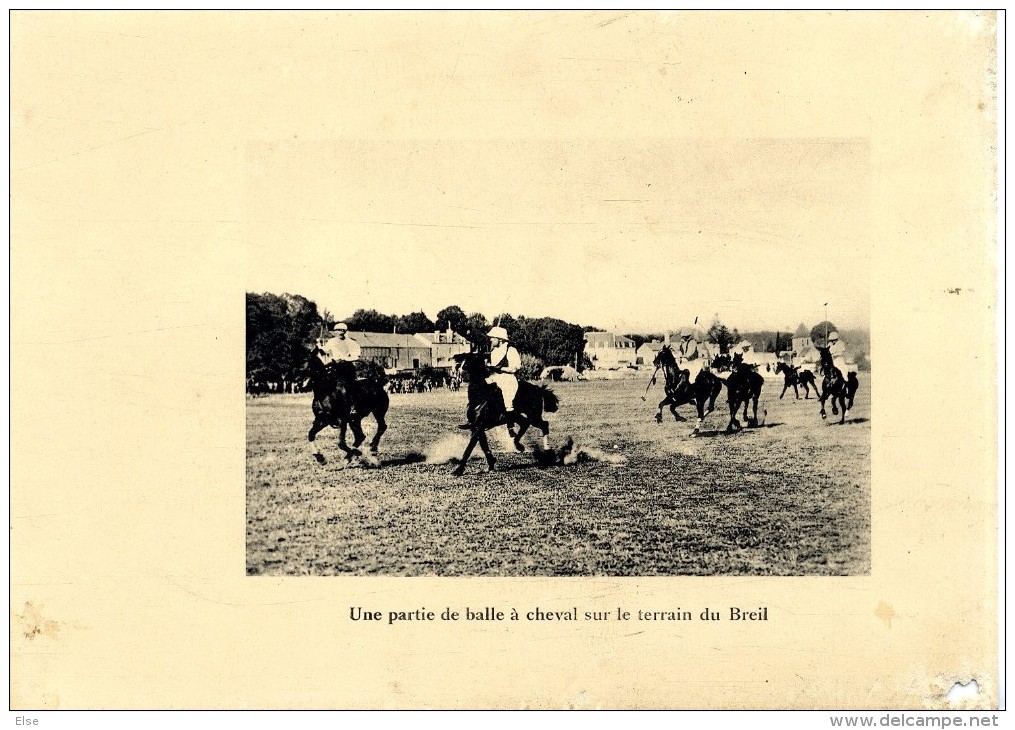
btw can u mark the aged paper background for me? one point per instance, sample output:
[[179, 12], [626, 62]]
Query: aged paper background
[[128, 261]]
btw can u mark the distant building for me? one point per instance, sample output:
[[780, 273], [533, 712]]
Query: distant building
[[444, 346], [646, 354], [394, 352], [607, 350], [804, 353]]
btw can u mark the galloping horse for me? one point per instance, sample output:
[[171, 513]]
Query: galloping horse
[[743, 386], [795, 376], [705, 388], [340, 401], [834, 384], [486, 409]]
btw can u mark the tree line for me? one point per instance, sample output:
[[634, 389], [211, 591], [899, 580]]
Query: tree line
[[282, 329]]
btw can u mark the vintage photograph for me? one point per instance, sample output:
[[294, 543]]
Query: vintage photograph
[[505, 359], [565, 358]]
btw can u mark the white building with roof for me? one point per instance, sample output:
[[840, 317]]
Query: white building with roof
[[607, 350]]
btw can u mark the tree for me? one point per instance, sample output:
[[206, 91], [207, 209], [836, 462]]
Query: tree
[[553, 341], [530, 368], [281, 330], [821, 329], [454, 318], [476, 328], [510, 324], [414, 323], [370, 320], [721, 335]]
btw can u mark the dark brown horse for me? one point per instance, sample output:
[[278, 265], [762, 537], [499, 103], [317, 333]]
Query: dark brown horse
[[834, 384], [340, 401], [743, 387], [679, 390], [486, 409], [794, 376]]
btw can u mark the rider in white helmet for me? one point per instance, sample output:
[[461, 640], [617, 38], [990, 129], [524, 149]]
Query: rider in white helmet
[[338, 347], [692, 355], [504, 363], [837, 350]]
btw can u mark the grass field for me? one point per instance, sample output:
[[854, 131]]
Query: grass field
[[789, 498]]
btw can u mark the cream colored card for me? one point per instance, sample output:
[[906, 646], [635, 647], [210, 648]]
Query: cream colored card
[[625, 170]]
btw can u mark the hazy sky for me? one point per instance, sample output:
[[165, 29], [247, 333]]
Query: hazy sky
[[636, 235]]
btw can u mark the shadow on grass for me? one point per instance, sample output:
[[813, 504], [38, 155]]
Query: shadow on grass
[[413, 457], [743, 431]]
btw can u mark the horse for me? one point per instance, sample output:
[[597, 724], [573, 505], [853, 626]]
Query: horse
[[486, 409], [705, 389], [743, 386], [841, 389], [340, 401], [795, 376]]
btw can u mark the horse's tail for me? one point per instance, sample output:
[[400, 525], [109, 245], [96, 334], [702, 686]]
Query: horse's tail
[[852, 385], [550, 400]]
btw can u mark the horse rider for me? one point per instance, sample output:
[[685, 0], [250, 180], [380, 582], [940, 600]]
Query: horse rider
[[337, 347], [837, 350], [692, 355], [504, 364]]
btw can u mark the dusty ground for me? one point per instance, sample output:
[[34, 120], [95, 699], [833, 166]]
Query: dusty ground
[[789, 498]]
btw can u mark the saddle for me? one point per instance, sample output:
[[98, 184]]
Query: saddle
[[490, 408]]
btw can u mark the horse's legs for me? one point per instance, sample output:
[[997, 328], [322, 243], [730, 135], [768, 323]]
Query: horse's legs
[[784, 387], [349, 453], [734, 424], [485, 446], [543, 426], [796, 391], [676, 416], [663, 402], [700, 403], [460, 469], [523, 424], [382, 426], [357, 432], [319, 425], [716, 390]]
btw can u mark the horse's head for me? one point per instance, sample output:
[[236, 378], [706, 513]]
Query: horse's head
[[781, 367], [473, 364], [825, 362], [721, 363], [665, 357]]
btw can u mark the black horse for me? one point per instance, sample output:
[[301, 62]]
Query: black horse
[[340, 400], [679, 390], [743, 387], [794, 376], [841, 389], [486, 408]]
